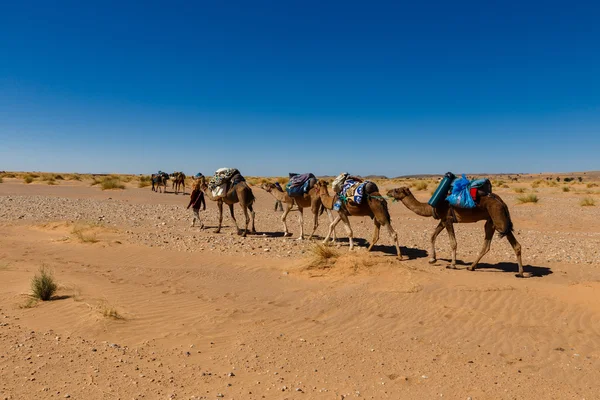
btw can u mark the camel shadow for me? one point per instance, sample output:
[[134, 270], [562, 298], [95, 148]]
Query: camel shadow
[[535, 271], [269, 234]]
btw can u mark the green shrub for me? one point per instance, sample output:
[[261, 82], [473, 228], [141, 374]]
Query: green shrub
[[43, 285]]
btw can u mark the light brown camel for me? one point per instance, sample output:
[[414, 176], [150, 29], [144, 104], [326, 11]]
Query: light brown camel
[[178, 181], [239, 193], [491, 209], [311, 200], [373, 205]]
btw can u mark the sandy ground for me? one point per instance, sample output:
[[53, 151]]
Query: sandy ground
[[208, 316]]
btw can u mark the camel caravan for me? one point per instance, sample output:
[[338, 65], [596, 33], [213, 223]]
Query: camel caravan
[[456, 200]]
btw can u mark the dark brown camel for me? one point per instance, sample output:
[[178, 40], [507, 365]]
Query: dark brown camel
[[239, 193], [373, 205], [491, 209], [311, 200], [178, 181]]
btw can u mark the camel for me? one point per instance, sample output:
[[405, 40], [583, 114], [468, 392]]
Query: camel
[[239, 193], [178, 181], [159, 182], [491, 209], [311, 200], [373, 205]]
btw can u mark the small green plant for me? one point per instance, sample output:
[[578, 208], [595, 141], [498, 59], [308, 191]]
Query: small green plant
[[28, 179], [519, 190], [111, 183], [587, 202], [566, 189], [529, 198], [43, 286]]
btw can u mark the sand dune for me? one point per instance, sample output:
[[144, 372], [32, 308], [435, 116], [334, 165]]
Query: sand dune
[[201, 315]]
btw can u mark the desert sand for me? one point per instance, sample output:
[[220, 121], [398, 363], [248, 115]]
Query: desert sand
[[151, 308]]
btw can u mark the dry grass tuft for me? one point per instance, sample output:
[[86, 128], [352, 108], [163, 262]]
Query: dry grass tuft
[[587, 202], [591, 185], [566, 189], [43, 286], [420, 185], [1, 180], [529, 198], [323, 256], [81, 233], [28, 179], [109, 311], [145, 180], [519, 190], [110, 183]]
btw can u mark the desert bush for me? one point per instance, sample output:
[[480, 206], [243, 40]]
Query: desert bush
[[591, 185], [81, 233], [1, 180], [323, 252], [505, 186], [587, 202], [536, 184], [145, 180], [74, 177], [519, 190], [282, 180], [529, 198], [43, 286], [52, 182], [109, 183], [566, 189], [126, 178], [420, 185], [28, 179], [108, 311], [568, 179]]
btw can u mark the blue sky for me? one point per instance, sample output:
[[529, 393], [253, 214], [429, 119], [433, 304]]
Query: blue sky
[[270, 87]]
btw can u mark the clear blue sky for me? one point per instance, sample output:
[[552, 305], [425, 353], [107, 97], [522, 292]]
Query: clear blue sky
[[322, 86]]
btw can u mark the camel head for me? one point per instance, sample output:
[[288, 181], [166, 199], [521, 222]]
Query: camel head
[[399, 193], [268, 186]]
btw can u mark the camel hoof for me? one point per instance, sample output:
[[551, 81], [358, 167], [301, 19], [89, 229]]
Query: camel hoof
[[471, 268], [241, 232], [218, 231], [400, 258], [300, 239], [451, 267], [287, 234], [432, 261], [523, 275]]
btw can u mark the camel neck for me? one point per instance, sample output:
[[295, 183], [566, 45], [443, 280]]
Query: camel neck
[[422, 209]]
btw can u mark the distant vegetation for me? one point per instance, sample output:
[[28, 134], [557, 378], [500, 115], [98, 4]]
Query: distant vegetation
[[587, 202], [529, 198]]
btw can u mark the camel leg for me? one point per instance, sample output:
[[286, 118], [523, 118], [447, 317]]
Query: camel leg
[[489, 235], [301, 220], [436, 232], [332, 228], [346, 222], [315, 224], [247, 220], [331, 218], [452, 236], [288, 208], [252, 215], [517, 248], [220, 205], [394, 236], [375, 234], [231, 212]]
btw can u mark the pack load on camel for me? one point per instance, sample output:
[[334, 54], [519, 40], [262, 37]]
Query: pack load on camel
[[300, 184], [223, 180], [461, 192], [349, 188]]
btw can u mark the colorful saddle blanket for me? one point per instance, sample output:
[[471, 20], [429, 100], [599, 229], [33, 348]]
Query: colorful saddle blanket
[[300, 184], [218, 184]]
